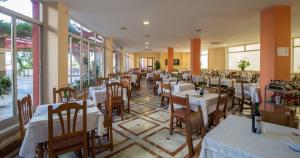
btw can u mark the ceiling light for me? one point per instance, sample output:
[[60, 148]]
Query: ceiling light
[[147, 35], [147, 43], [123, 28], [146, 47], [198, 30], [146, 22]]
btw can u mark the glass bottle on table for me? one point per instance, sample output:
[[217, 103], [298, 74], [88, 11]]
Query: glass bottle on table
[[256, 120]]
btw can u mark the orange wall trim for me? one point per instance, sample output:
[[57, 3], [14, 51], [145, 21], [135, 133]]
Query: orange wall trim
[[170, 59], [195, 56]]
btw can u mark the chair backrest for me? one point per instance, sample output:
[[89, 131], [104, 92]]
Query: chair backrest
[[115, 88], [156, 77], [194, 122], [280, 118], [125, 83], [101, 80], [183, 101], [125, 74], [108, 109], [68, 131], [166, 88], [222, 102], [72, 93], [25, 113], [112, 75]]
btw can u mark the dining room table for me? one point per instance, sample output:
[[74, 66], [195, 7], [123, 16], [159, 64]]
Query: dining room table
[[233, 137], [207, 103], [98, 94], [186, 76], [251, 89], [37, 128]]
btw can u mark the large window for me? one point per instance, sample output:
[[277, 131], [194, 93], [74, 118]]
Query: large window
[[20, 38], [204, 59], [296, 55], [249, 52], [86, 56]]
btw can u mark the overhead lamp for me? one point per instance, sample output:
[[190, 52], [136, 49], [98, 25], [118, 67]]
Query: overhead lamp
[[147, 43], [146, 22]]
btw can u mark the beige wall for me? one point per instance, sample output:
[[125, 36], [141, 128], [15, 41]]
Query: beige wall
[[108, 56], [131, 60], [138, 55], [217, 58], [55, 57], [183, 57]]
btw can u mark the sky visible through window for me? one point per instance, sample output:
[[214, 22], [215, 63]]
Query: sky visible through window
[[20, 6]]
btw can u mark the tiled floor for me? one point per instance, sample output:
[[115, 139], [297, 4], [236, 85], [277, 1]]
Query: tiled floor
[[145, 131]]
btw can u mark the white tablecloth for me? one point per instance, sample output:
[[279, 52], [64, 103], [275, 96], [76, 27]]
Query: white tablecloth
[[207, 102], [37, 128], [227, 82], [133, 78], [197, 79], [180, 87], [233, 138], [251, 89], [186, 76], [98, 94]]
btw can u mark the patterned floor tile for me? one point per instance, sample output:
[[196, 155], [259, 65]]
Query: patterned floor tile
[[137, 126], [160, 116], [141, 109]]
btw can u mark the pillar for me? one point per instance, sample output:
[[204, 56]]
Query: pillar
[[55, 55], [275, 33], [195, 56], [170, 59], [108, 56]]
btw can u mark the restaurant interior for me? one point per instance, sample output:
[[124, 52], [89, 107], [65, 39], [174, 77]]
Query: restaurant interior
[[150, 78]]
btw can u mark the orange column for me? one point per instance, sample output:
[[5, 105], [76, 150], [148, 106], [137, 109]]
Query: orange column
[[275, 32], [195, 56], [170, 58]]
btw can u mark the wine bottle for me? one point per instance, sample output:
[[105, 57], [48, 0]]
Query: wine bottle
[[256, 120]]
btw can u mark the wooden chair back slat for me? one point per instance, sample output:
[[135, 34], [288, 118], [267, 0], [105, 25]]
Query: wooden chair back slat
[[60, 92], [116, 89], [25, 113], [279, 118], [222, 101], [183, 101], [101, 80]]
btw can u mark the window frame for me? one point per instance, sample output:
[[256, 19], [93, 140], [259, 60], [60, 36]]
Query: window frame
[[15, 15]]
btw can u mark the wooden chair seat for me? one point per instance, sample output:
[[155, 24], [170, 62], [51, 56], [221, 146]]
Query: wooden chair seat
[[214, 117], [246, 96], [217, 115], [166, 94]]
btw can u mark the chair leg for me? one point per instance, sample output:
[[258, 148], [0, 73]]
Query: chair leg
[[122, 112], [128, 105], [93, 148], [232, 105], [40, 150], [171, 125]]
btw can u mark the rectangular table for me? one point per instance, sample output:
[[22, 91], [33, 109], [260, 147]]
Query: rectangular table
[[207, 102], [98, 94], [251, 89], [37, 128], [233, 138]]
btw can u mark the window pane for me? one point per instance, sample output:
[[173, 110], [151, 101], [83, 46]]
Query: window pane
[[204, 61], [253, 47], [204, 52], [252, 56], [6, 68], [296, 60], [75, 66], [74, 27], [24, 59], [20, 6], [297, 42], [99, 39], [88, 34], [236, 49], [92, 65]]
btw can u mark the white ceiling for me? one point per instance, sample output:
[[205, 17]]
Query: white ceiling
[[173, 22]]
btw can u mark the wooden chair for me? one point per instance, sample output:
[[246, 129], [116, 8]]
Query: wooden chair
[[112, 75], [72, 93], [166, 92], [25, 113], [101, 81], [280, 118], [194, 124], [214, 117], [242, 98], [106, 141], [180, 114], [117, 97], [156, 78], [126, 84], [71, 139]]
